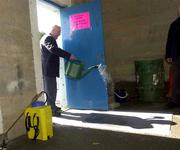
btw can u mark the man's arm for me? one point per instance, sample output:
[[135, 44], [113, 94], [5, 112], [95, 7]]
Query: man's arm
[[169, 44], [52, 47]]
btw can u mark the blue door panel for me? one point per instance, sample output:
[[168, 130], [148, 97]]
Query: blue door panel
[[87, 45]]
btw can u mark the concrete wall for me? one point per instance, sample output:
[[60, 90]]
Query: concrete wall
[[1, 122], [62, 2], [17, 78], [35, 44], [135, 30], [74, 2]]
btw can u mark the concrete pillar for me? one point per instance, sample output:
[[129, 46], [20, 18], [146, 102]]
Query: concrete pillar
[[35, 44], [17, 78]]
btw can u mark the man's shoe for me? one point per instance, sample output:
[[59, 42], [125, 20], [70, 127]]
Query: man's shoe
[[56, 114], [57, 109]]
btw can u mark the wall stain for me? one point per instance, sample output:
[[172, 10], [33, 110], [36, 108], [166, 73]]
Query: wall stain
[[20, 78]]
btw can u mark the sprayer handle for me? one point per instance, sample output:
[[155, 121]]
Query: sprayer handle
[[76, 61], [36, 97]]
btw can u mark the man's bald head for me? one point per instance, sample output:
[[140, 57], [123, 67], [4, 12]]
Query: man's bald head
[[56, 31]]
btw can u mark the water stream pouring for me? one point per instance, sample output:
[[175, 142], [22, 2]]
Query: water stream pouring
[[75, 69]]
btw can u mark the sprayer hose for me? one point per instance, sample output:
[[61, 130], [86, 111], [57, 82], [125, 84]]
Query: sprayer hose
[[35, 98]]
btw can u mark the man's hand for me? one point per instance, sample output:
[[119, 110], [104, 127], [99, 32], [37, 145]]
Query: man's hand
[[169, 60], [72, 57]]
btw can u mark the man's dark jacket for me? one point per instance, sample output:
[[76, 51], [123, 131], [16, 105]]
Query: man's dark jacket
[[50, 54], [173, 41]]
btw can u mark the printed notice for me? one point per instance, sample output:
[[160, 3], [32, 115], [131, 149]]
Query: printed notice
[[80, 21]]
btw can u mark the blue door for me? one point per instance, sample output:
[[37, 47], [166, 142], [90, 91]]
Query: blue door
[[82, 35]]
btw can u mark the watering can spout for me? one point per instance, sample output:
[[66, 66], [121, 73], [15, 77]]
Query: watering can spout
[[84, 73]]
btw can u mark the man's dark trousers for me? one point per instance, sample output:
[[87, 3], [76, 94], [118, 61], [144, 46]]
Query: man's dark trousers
[[176, 81], [50, 87]]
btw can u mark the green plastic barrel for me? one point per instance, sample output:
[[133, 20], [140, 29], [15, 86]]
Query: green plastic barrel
[[150, 79]]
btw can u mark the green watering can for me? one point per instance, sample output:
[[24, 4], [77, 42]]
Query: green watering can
[[75, 69]]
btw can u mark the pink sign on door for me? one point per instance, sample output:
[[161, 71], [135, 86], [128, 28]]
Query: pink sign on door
[[80, 21]]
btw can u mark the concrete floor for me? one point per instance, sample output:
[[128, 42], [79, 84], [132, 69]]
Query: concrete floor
[[75, 138], [71, 138]]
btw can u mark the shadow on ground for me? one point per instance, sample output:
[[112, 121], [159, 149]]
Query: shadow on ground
[[122, 120]]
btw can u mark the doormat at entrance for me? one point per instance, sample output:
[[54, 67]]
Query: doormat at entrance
[[119, 121]]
